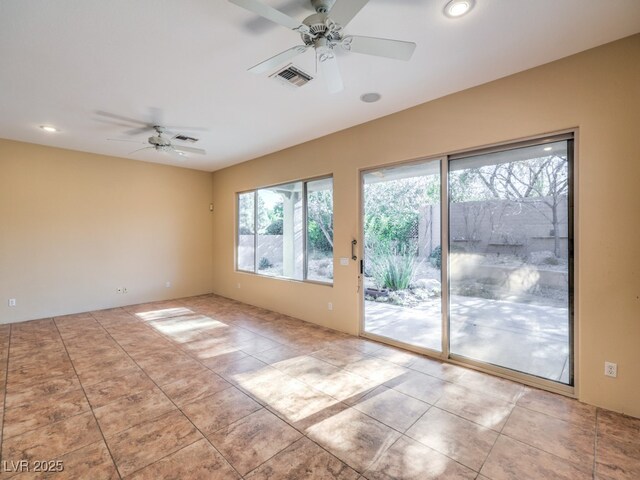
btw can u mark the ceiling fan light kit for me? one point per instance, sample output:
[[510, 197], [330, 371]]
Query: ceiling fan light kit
[[324, 32]]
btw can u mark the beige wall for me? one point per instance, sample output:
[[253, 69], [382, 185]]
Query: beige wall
[[75, 226], [597, 91]]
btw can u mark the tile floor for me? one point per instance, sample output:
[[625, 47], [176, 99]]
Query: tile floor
[[209, 388]]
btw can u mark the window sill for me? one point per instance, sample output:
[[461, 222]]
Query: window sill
[[312, 282]]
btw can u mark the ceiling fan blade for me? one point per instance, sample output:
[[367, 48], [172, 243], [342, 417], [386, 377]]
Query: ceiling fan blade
[[192, 129], [138, 131], [331, 72], [278, 59], [139, 150], [343, 11], [175, 153], [271, 13], [380, 47], [123, 140], [112, 122], [120, 117], [181, 148]]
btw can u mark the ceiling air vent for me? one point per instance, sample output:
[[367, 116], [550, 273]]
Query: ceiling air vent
[[184, 138], [293, 76]]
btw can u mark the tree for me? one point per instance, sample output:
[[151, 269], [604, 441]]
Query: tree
[[392, 212], [539, 183], [320, 212]]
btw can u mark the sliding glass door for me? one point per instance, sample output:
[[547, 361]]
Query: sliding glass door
[[510, 258], [504, 264], [402, 254]]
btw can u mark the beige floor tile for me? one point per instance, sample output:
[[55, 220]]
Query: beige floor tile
[[251, 441], [220, 409], [552, 435], [43, 411], [148, 442], [435, 368], [339, 356], [303, 460], [396, 355], [377, 369], [490, 385], [618, 426], [278, 354], [244, 375], [511, 459], [131, 410], [418, 385], [558, 406], [194, 387], [198, 461], [484, 410], [395, 409], [410, 460], [466, 442], [103, 393], [353, 437], [102, 371], [92, 461], [52, 441], [30, 393], [618, 445]]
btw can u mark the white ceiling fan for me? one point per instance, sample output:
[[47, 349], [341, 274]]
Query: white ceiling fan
[[324, 31], [157, 141], [161, 143]]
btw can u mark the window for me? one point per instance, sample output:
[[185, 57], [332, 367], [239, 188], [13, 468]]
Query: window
[[246, 231], [286, 231], [320, 230]]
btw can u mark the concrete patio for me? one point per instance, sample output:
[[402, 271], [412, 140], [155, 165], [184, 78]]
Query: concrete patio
[[524, 337]]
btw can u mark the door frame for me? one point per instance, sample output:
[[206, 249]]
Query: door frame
[[445, 355]]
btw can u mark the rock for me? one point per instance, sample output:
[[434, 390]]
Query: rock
[[427, 284], [541, 257]]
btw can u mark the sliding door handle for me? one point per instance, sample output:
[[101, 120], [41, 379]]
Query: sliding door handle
[[354, 242]]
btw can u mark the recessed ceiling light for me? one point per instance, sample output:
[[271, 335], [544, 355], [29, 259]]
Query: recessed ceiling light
[[457, 8], [548, 149], [371, 97], [48, 128]]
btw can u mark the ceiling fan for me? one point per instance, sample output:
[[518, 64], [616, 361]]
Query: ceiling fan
[[157, 141], [324, 31], [161, 143]]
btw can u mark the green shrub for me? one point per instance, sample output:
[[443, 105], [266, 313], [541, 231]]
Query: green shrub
[[275, 227], [551, 261], [394, 272], [264, 264], [436, 257]]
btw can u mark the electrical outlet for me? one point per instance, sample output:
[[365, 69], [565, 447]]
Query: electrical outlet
[[168, 284], [611, 369], [330, 306], [119, 290], [12, 302], [344, 261], [238, 285]]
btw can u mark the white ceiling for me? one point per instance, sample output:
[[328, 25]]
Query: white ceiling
[[61, 61]]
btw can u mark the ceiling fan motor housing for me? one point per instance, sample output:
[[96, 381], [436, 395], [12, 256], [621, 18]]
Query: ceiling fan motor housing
[[321, 26]]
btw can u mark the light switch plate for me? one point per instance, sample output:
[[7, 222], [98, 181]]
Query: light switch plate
[[344, 261]]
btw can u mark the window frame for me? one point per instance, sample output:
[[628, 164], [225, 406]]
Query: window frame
[[305, 229]]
